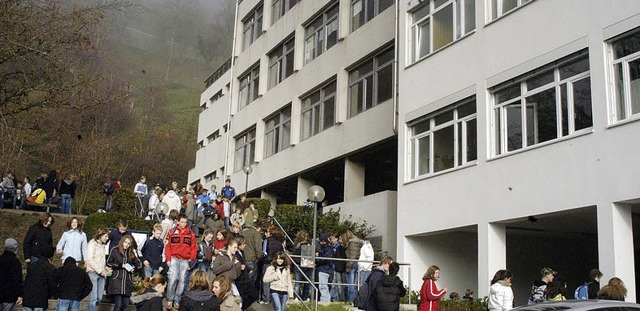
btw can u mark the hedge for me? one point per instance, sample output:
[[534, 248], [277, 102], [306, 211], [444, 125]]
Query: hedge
[[96, 221]]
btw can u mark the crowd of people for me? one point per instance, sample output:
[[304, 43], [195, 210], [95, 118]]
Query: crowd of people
[[46, 189]]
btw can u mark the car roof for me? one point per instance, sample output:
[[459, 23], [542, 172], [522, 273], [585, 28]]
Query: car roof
[[577, 305]]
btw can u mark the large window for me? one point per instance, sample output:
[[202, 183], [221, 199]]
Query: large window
[[371, 83], [321, 34], [245, 149], [443, 140], [281, 63], [249, 87], [546, 104], [363, 11], [280, 7], [625, 75], [500, 7], [278, 132], [440, 22], [252, 26], [318, 110]]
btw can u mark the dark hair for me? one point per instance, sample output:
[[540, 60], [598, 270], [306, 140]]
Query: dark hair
[[151, 282], [394, 268], [279, 255], [227, 180], [595, 273], [71, 220], [429, 275], [501, 275], [123, 222], [44, 217], [182, 216]]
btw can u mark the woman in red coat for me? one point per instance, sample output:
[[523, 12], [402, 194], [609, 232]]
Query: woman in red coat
[[429, 293]]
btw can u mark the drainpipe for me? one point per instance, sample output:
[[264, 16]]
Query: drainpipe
[[231, 79], [396, 69]]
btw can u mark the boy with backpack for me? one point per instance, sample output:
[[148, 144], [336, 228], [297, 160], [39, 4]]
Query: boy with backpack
[[109, 188], [589, 290], [152, 252]]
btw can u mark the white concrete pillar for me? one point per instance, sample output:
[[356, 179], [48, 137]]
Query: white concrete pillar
[[615, 245], [353, 180], [272, 199], [303, 189], [342, 102], [492, 254], [344, 17]]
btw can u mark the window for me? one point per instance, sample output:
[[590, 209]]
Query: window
[[211, 176], [318, 110], [363, 11], [249, 87], [213, 136], [252, 26], [281, 63], [371, 83], [625, 75], [215, 97], [321, 34], [444, 140], [245, 149], [278, 132], [548, 103], [501, 7], [440, 22], [280, 7]]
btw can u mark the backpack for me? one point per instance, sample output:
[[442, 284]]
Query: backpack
[[364, 295], [582, 292], [109, 187]]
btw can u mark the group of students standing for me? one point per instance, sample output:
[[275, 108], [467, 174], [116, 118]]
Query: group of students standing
[[46, 189]]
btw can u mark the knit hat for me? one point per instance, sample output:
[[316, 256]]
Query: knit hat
[[11, 244], [324, 237]]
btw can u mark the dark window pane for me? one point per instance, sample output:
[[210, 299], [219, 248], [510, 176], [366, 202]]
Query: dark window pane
[[540, 80], [541, 117], [618, 80], [514, 126], [329, 113], [634, 82], [444, 117], [421, 127], [564, 106], [361, 71], [385, 84], [574, 68], [582, 104], [627, 45], [467, 109], [369, 92], [472, 140], [443, 149], [470, 15], [508, 93], [423, 155], [355, 99]]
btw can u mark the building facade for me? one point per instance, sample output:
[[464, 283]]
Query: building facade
[[518, 142]]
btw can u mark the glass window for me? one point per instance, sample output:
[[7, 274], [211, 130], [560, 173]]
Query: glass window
[[281, 7], [278, 132], [443, 140], [543, 105], [249, 87], [281, 63], [500, 7], [625, 66], [318, 110], [252, 26], [371, 83], [321, 34], [245, 149], [363, 11], [436, 24]]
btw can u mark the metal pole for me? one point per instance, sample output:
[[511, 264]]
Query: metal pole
[[246, 184], [313, 245]]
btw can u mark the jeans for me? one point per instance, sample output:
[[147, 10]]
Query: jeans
[[108, 203], [149, 272], [303, 289], [32, 309], [227, 222], [65, 208], [120, 302], [177, 275], [364, 274], [68, 305], [323, 278], [279, 301], [204, 267], [97, 281], [6, 306], [337, 291], [350, 278], [265, 285], [252, 270], [22, 202]]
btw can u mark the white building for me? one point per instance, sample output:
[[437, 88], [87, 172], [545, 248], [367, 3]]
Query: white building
[[309, 99], [518, 140]]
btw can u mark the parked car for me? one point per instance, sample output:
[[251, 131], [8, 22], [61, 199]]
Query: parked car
[[581, 305]]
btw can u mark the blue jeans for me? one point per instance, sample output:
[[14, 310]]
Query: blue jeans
[[323, 278], [204, 267], [68, 305], [97, 281], [337, 291], [303, 289], [65, 207], [32, 309], [120, 302], [177, 274], [149, 272], [364, 274], [6, 306], [227, 222], [279, 301], [265, 285], [350, 278]]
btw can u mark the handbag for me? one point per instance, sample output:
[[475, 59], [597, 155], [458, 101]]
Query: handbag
[[31, 199]]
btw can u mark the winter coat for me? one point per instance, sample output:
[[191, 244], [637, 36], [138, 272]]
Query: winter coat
[[50, 183], [73, 243], [325, 265], [353, 252], [376, 276], [68, 187], [250, 216], [10, 277], [190, 207], [273, 247], [38, 241], [214, 225], [500, 296], [38, 284], [115, 236], [237, 219], [338, 252], [230, 302], [538, 291], [205, 252], [223, 265], [430, 296], [199, 300], [279, 278], [120, 280], [182, 244], [149, 300], [96, 260], [388, 293], [72, 282], [594, 287], [172, 200], [253, 239], [366, 253], [152, 252]]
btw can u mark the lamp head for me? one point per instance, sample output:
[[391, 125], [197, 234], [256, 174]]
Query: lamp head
[[248, 169], [316, 193]]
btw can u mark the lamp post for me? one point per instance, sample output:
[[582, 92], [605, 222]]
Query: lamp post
[[315, 195], [247, 170]]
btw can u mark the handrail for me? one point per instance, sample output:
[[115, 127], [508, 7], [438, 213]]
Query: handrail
[[281, 228], [315, 288]]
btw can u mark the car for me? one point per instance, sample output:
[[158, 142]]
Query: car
[[582, 305]]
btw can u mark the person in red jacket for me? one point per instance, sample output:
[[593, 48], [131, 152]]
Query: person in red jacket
[[429, 293], [181, 247]]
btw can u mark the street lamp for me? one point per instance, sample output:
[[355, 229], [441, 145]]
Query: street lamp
[[315, 195], [247, 170]]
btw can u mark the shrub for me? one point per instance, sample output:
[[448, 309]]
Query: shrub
[[262, 205], [463, 305], [110, 220], [298, 306]]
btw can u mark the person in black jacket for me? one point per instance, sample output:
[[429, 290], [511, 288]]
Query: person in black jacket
[[72, 285], [594, 283], [51, 185], [199, 297], [10, 276], [38, 283], [38, 241], [390, 290], [123, 260], [337, 291], [374, 280], [150, 296], [152, 252]]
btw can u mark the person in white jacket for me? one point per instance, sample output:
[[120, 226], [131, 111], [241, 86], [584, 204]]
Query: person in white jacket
[[73, 242], [278, 276], [366, 253], [172, 200], [500, 293], [96, 264]]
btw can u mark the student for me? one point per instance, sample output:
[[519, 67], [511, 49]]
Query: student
[[116, 235], [374, 279], [614, 290], [222, 289], [150, 296], [227, 190], [429, 293], [338, 291], [38, 241], [38, 283], [199, 297], [226, 209], [250, 215], [221, 241], [96, 265], [593, 286], [215, 223], [390, 290], [180, 249], [205, 251], [325, 267], [10, 276], [500, 292], [278, 276], [540, 286], [73, 284], [152, 253], [140, 190], [226, 263], [73, 242], [237, 219], [244, 284], [122, 259]]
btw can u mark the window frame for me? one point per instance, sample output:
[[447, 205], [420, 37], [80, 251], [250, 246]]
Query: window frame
[[281, 62], [616, 115], [365, 3], [279, 128], [376, 68], [252, 26], [280, 7], [321, 31], [495, 12], [248, 144], [252, 82], [318, 108]]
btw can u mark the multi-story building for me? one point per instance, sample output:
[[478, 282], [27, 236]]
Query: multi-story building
[[307, 98], [518, 140]]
